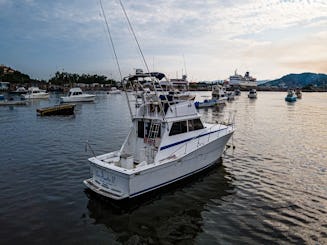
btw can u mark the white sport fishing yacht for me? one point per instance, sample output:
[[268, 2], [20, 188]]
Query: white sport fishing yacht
[[167, 142], [35, 93], [77, 95]]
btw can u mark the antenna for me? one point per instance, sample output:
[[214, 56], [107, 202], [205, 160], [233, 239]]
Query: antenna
[[184, 65], [114, 50], [139, 47]]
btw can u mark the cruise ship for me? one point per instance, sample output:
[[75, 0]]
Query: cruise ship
[[245, 81]]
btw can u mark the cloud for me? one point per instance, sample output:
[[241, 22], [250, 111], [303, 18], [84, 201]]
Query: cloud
[[318, 66], [4, 2], [216, 37]]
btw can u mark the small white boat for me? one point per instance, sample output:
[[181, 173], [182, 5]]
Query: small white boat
[[19, 90], [230, 95], [219, 93], [167, 142], [298, 93], [36, 93], [252, 94], [206, 103], [237, 92], [77, 95], [11, 102], [114, 90]]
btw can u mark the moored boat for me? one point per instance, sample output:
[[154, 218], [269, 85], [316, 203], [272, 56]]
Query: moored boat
[[167, 142], [114, 90], [77, 95], [237, 92], [19, 90], [11, 102], [35, 93], [230, 95], [206, 103], [67, 109], [291, 96], [252, 94], [219, 93], [298, 93]]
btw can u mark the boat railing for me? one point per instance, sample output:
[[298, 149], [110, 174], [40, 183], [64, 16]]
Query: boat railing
[[183, 148], [228, 120], [150, 110]]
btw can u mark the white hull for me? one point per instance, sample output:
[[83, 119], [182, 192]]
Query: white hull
[[243, 84], [119, 185], [83, 98], [36, 96], [114, 92]]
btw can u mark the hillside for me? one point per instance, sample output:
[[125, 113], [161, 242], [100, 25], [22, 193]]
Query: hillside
[[7, 74], [299, 81]]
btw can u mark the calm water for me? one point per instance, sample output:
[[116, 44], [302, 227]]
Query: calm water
[[271, 189]]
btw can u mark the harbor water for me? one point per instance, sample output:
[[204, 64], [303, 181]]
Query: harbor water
[[270, 189]]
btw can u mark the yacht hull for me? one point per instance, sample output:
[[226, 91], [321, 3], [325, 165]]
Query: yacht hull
[[118, 185], [69, 99], [290, 99], [38, 96]]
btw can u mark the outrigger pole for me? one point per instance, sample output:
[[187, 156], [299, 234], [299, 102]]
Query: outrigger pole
[[116, 58]]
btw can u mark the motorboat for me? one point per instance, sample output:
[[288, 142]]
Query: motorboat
[[219, 93], [180, 95], [252, 94], [167, 142], [237, 92], [19, 90], [114, 90], [77, 95], [230, 95], [11, 101], [298, 93], [206, 103], [291, 96], [35, 93]]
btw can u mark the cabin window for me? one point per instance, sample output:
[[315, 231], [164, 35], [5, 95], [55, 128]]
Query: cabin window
[[140, 129], [194, 124], [178, 128], [197, 124]]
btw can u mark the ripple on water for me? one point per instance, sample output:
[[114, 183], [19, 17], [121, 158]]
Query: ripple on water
[[271, 189]]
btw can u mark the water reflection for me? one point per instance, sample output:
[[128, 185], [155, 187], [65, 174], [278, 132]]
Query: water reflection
[[170, 215]]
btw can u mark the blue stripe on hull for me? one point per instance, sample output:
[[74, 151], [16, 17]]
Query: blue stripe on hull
[[189, 139]]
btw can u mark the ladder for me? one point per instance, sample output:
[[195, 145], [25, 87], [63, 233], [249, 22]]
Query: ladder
[[154, 129], [153, 133]]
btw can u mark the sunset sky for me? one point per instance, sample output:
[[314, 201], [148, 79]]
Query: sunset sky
[[213, 38]]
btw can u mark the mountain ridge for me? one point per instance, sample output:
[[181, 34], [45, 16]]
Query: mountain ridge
[[302, 80]]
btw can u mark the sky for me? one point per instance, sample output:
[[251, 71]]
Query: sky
[[205, 39]]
